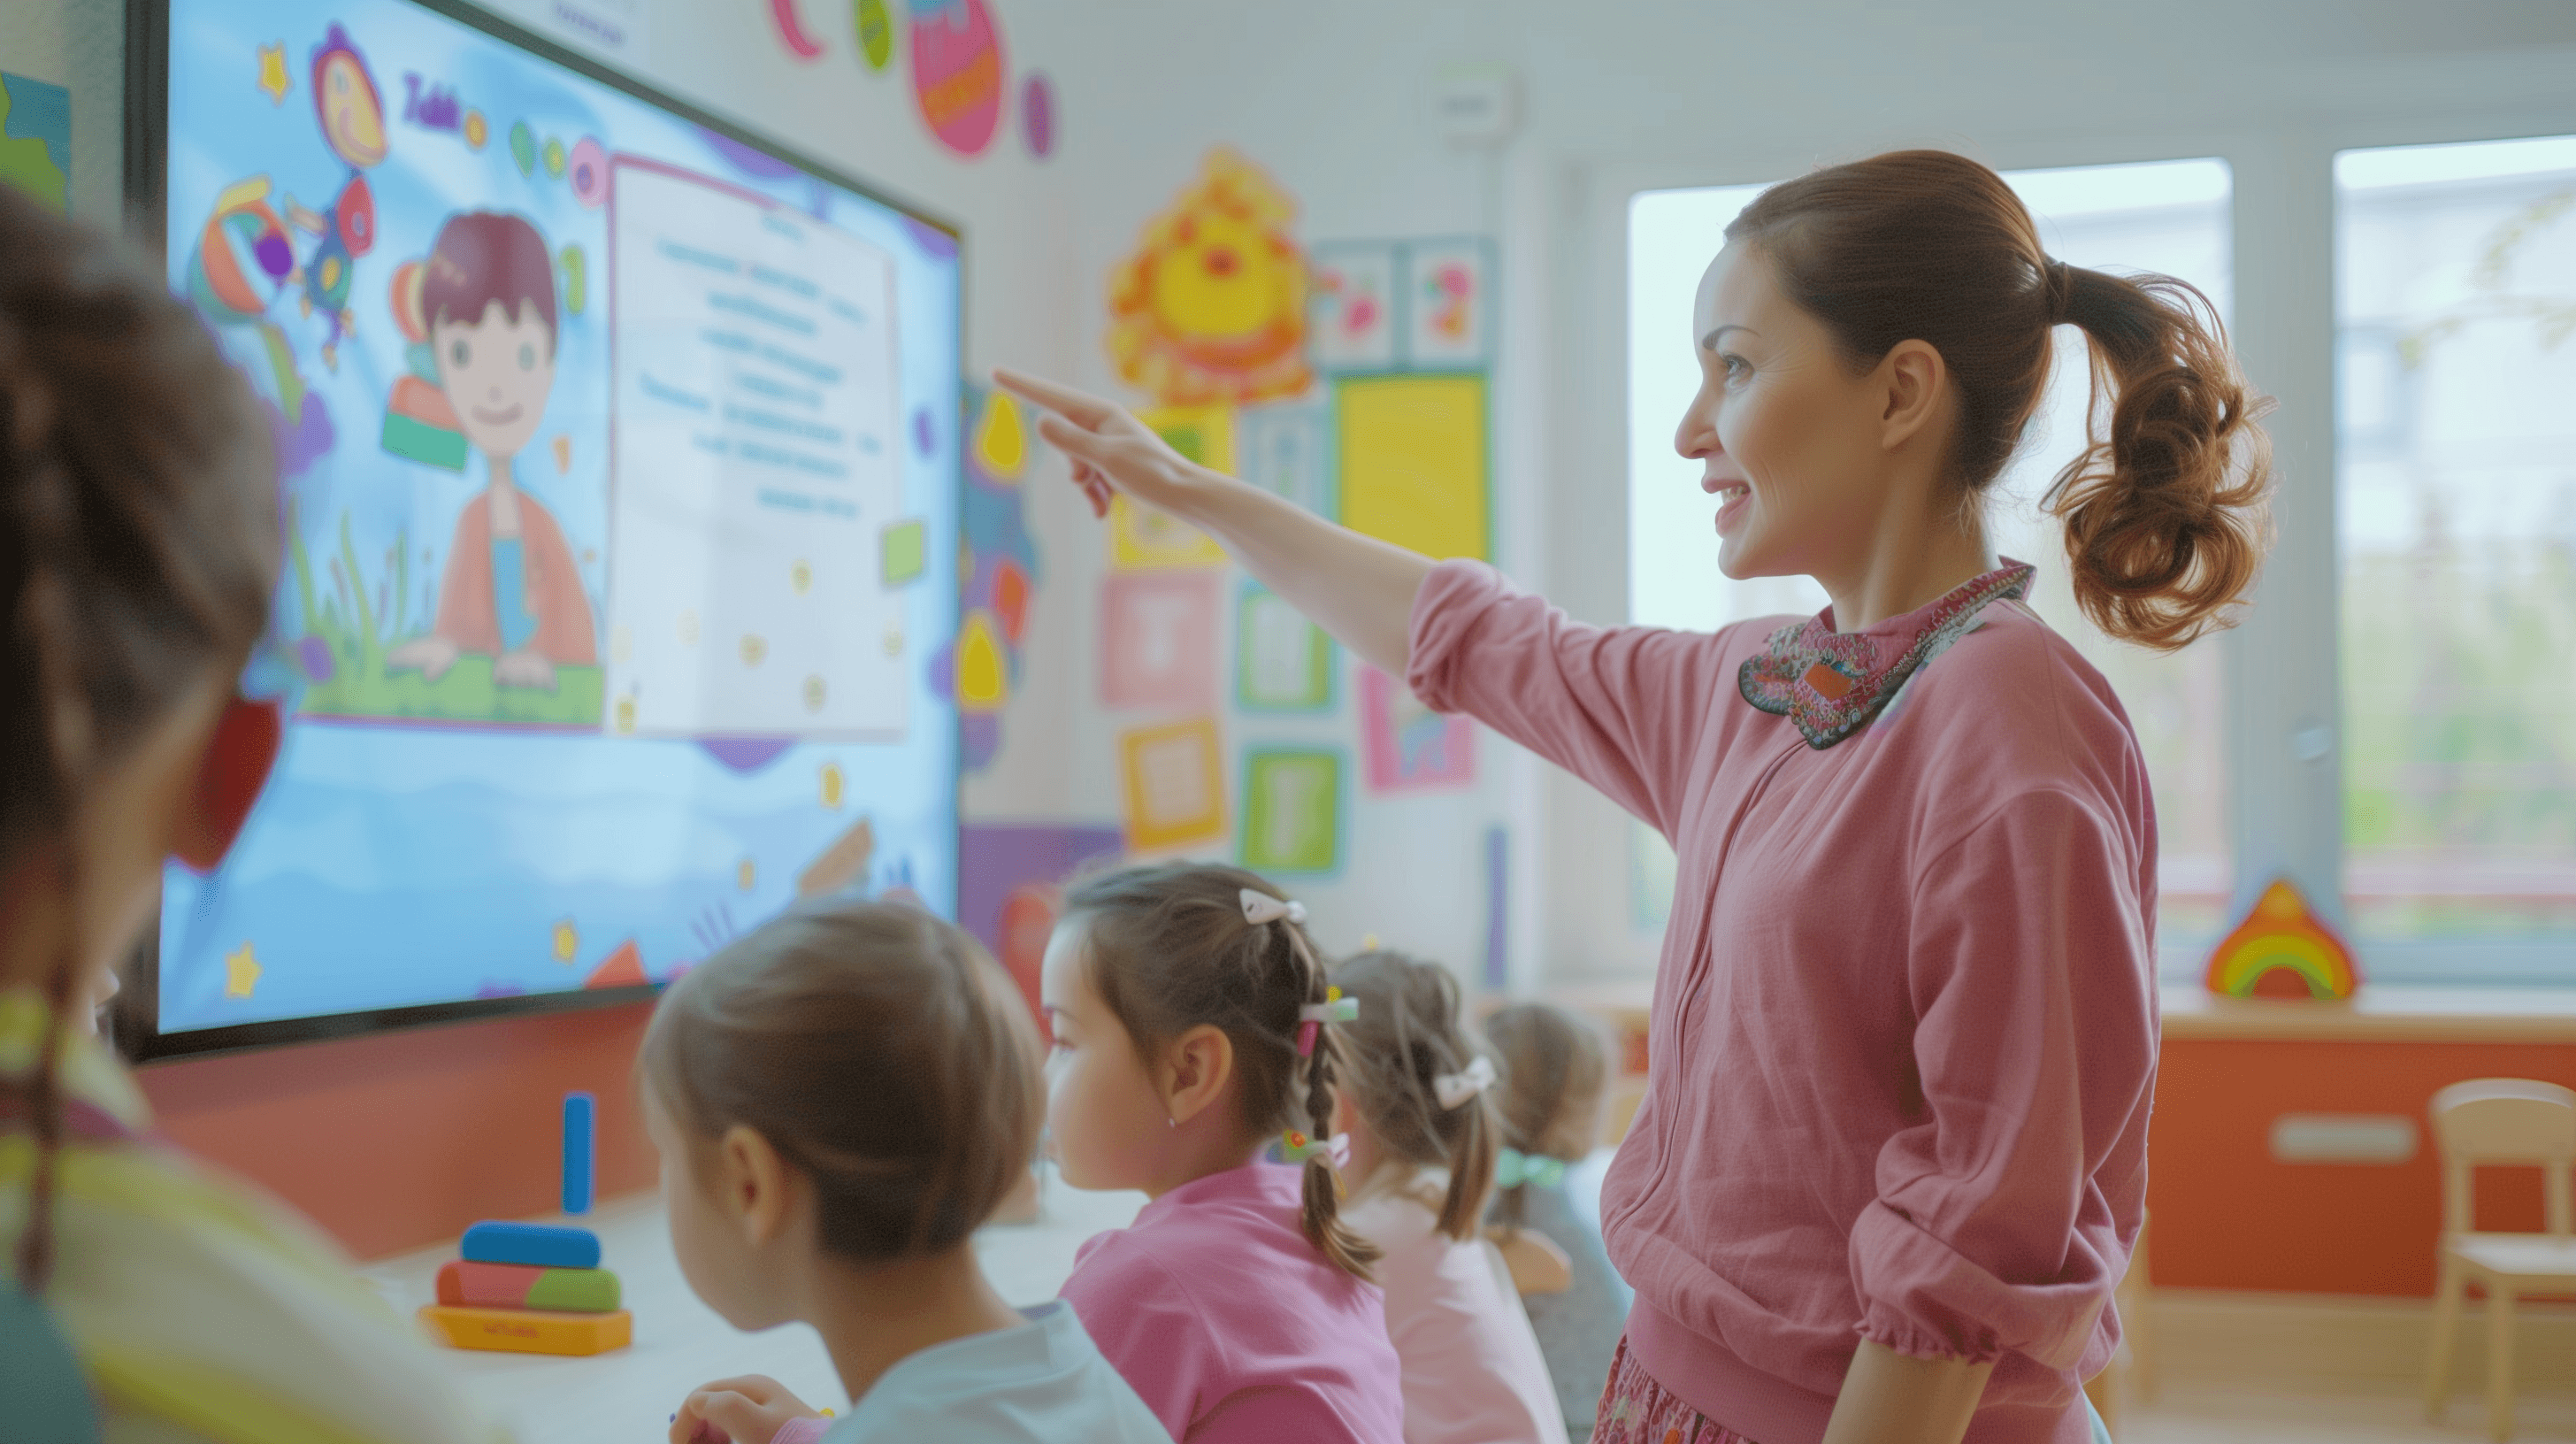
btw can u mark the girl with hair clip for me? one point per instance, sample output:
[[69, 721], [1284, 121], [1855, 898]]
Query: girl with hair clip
[[142, 1297], [1892, 1155], [1194, 1029], [841, 1099], [1422, 1132], [1555, 1072]]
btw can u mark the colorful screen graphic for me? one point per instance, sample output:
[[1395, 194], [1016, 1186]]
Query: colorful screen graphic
[[619, 481]]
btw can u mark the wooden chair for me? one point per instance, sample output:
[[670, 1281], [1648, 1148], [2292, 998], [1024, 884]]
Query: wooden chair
[[2498, 1121]]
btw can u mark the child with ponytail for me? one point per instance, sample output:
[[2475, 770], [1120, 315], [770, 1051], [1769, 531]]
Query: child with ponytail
[[1555, 1071], [140, 1296], [1423, 1138], [841, 1099], [1193, 1030]]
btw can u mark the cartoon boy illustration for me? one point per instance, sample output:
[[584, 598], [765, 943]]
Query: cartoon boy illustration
[[511, 591]]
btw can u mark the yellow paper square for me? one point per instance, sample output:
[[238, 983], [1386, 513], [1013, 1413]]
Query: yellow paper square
[[1173, 784], [1413, 461], [1142, 539]]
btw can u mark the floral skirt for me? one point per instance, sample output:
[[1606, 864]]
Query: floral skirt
[[1637, 1410]]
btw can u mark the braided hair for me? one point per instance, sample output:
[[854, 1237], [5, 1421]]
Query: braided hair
[[138, 549], [1408, 1037], [1170, 949]]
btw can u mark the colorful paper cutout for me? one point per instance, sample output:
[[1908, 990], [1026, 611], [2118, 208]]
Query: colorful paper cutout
[[1037, 115], [567, 941], [1142, 539], [983, 679], [1172, 784], [1211, 306], [1352, 313], [523, 147], [2283, 950], [1282, 662], [876, 33], [1001, 437], [791, 30], [477, 130], [1287, 450], [1408, 747], [1411, 461], [957, 73], [1448, 311], [1158, 641], [1292, 804], [588, 170], [903, 551], [998, 561], [831, 782]]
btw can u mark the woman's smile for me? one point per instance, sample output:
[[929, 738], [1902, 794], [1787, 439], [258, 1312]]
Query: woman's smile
[[1734, 498]]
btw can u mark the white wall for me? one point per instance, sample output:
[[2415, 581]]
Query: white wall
[[1329, 96]]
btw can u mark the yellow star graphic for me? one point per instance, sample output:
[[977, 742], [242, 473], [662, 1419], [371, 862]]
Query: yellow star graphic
[[241, 972], [272, 72]]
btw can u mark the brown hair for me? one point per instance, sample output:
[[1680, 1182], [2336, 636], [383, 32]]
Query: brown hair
[[1169, 949], [139, 544], [485, 256], [1554, 1069], [1407, 1036], [2165, 512], [880, 1050]]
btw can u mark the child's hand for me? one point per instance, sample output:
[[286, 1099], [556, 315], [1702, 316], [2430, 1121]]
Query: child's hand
[[748, 1410]]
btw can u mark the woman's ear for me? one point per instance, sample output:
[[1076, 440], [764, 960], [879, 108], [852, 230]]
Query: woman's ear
[[1914, 386], [753, 1185], [1198, 1069]]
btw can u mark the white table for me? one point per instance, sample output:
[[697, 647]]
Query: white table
[[626, 1397]]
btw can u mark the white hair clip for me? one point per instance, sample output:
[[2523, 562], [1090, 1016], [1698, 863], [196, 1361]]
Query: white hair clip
[[1260, 907], [1454, 1089]]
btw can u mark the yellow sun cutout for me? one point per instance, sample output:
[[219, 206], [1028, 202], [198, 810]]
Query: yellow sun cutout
[[1212, 305]]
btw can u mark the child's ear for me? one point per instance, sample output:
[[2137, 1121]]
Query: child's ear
[[1197, 1070], [240, 753], [752, 1184]]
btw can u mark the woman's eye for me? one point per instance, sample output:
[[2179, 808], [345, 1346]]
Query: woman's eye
[[1736, 367], [527, 356], [458, 353]]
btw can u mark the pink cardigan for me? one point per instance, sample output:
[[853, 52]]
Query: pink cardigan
[[1904, 1029]]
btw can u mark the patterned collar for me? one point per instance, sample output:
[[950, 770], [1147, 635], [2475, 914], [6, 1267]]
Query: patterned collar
[[1832, 683]]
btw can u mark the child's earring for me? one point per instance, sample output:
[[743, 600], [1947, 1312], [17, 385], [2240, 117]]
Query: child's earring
[[1170, 1121]]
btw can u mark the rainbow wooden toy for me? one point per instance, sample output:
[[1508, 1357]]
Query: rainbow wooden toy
[[520, 1331], [2283, 950], [536, 1245], [463, 1283]]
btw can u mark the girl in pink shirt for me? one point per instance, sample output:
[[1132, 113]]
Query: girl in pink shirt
[[1423, 1139], [1892, 1156], [1193, 1029]]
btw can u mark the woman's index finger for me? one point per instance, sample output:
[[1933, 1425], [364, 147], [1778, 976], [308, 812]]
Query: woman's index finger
[[1080, 407]]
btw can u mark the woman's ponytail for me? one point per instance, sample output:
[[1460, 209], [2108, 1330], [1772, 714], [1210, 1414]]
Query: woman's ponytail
[[2166, 514]]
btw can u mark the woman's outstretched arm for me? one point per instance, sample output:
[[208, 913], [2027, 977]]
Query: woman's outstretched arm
[[1356, 587]]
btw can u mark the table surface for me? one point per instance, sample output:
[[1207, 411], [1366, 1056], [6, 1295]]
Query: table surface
[[626, 1397]]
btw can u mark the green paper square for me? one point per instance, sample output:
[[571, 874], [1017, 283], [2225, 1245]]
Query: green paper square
[[1292, 804], [905, 550]]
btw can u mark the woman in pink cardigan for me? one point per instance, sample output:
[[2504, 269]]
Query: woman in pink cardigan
[[1892, 1157]]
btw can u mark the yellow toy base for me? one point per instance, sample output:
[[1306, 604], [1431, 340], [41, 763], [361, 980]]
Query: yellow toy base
[[529, 1331]]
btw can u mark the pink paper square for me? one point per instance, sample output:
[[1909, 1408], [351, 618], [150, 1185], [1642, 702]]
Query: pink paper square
[[1406, 746], [1158, 641]]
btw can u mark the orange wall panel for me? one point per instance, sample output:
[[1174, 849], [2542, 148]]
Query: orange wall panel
[[398, 1141], [2227, 1216]]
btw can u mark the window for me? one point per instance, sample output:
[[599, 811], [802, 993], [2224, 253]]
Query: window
[[2455, 312], [2171, 217]]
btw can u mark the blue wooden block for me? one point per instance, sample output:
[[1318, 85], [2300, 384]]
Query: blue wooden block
[[536, 1245]]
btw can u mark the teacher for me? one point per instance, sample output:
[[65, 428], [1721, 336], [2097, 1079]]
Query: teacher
[[1892, 1156]]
